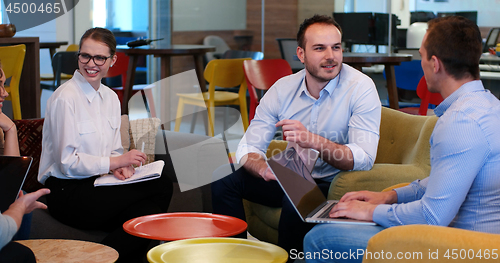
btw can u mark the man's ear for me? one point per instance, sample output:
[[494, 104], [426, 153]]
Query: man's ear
[[300, 54], [437, 64]]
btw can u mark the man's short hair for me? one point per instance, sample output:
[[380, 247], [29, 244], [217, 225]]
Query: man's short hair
[[457, 42], [316, 19]]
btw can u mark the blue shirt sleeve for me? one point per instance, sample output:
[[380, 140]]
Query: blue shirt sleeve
[[459, 149]]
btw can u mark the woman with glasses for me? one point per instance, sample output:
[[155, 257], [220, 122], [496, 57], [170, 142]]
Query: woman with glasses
[[81, 141]]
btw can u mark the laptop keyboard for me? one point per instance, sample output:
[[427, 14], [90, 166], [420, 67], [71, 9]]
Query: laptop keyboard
[[326, 213]]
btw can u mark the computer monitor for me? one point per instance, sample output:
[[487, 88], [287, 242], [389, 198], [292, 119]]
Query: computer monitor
[[421, 16], [357, 28], [382, 29], [471, 15]]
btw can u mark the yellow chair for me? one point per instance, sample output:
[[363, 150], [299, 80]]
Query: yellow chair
[[12, 58], [50, 77], [223, 73], [425, 243]]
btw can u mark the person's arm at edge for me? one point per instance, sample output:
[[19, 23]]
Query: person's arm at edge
[[25, 204]]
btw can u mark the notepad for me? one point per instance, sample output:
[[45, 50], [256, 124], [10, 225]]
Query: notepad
[[144, 173]]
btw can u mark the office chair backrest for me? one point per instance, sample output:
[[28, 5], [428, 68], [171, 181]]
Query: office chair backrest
[[288, 49], [492, 39], [64, 62], [219, 44], [262, 74], [257, 55], [12, 58], [119, 68], [427, 97], [408, 74], [73, 47], [225, 73]]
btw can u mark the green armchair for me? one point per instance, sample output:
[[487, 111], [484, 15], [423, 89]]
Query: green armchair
[[403, 155]]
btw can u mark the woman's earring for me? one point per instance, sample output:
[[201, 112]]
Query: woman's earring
[[111, 65]]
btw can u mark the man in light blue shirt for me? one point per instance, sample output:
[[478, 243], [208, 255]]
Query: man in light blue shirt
[[329, 106], [462, 189]]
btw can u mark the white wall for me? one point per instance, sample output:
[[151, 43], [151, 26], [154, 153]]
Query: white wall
[[195, 15]]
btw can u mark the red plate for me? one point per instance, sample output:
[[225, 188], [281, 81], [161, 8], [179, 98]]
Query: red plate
[[177, 226]]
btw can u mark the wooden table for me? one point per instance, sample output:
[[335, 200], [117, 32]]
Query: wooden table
[[164, 53], [29, 85], [359, 60], [63, 251], [52, 46]]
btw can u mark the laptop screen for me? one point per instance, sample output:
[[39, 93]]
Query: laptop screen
[[13, 171], [296, 181]]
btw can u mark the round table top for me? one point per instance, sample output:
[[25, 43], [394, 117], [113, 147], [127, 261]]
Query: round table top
[[177, 226], [375, 58], [64, 251], [217, 250], [170, 50]]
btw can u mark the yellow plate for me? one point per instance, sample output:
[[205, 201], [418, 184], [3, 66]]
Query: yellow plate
[[217, 250]]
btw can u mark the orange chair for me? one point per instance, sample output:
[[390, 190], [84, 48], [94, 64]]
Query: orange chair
[[427, 98], [262, 74], [120, 69]]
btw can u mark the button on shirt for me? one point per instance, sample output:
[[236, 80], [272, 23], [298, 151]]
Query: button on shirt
[[81, 131], [347, 112], [463, 189]]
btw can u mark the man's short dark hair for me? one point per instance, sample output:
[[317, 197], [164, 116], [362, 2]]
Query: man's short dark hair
[[457, 42], [316, 19]]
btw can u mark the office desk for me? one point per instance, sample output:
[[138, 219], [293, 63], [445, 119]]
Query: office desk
[[489, 59], [164, 53], [29, 85], [488, 75], [52, 46], [358, 60]]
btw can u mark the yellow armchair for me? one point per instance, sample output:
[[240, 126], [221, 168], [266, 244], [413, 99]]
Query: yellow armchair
[[403, 156], [424, 243]]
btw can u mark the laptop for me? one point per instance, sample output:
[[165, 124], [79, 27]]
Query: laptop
[[294, 177], [13, 172]]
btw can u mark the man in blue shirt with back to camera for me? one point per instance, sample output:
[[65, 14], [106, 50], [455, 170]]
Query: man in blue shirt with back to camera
[[463, 189], [329, 106]]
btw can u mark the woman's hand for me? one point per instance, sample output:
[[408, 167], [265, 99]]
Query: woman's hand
[[5, 122], [133, 157], [11, 146], [124, 172]]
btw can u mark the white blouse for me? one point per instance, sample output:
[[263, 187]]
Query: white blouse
[[81, 131]]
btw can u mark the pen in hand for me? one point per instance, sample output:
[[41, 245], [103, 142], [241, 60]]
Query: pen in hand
[[142, 150]]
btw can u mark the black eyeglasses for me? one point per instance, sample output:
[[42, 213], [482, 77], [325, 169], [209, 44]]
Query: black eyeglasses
[[98, 60]]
